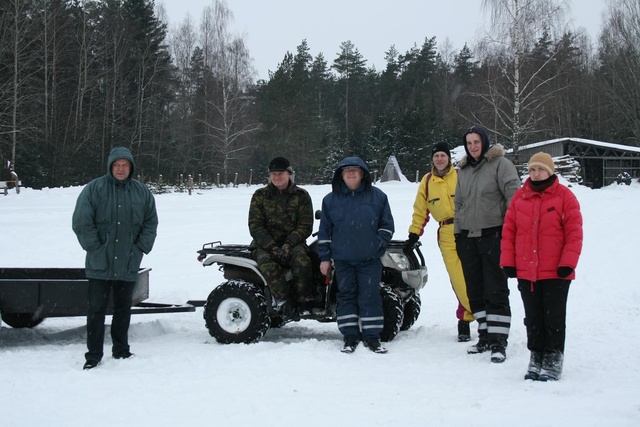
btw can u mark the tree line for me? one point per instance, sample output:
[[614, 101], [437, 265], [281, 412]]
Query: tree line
[[80, 77]]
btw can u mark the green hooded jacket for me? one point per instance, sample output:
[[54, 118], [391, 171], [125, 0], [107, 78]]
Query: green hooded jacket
[[115, 222]]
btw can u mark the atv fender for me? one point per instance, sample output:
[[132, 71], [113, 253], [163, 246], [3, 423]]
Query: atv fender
[[247, 263]]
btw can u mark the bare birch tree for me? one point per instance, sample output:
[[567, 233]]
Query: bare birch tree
[[229, 123], [517, 92]]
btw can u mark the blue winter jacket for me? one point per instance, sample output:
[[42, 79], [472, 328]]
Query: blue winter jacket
[[115, 222], [355, 225]]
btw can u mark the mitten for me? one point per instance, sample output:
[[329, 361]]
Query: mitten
[[411, 241], [285, 254], [509, 271], [564, 271], [276, 253]]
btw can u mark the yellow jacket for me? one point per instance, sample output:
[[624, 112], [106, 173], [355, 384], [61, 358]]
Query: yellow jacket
[[436, 197]]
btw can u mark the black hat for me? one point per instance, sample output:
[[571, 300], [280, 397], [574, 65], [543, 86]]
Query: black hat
[[280, 164], [441, 146]]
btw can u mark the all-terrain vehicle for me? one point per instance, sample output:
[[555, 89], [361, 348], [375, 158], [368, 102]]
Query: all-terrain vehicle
[[241, 309]]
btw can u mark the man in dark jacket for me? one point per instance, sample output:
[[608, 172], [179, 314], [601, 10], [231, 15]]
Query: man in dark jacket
[[115, 221], [355, 229], [280, 220], [486, 183]]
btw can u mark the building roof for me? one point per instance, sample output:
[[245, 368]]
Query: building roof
[[582, 141]]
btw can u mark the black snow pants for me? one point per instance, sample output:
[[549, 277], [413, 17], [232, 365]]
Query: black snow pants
[[545, 311], [487, 286]]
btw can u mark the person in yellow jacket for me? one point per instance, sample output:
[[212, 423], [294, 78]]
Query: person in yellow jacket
[[436, 197]]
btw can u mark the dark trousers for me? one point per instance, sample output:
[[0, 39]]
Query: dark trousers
[[545, 310], [301, 269], [359, 300], [98, 292], [487, 286]]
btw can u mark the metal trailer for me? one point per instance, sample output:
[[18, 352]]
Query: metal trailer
[[29, 295]]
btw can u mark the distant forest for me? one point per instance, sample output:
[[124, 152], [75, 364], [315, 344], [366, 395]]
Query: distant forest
[[80, 77]]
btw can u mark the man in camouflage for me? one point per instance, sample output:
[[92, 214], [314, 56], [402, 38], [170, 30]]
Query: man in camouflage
[[280, 220]]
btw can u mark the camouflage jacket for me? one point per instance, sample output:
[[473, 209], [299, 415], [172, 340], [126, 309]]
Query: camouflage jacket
[[278, 217]]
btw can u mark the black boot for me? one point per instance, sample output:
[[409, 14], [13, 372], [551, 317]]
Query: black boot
[[375, 346], [551, 366], [498, 353], [285, 306], [464, 333], [535, 365], [481, 346]]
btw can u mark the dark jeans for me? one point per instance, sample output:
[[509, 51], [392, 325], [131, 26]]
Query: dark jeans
[[487, 286], [545, 311], [98, 293]]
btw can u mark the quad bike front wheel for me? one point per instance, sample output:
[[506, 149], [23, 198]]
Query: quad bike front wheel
[[393, 314], [236, 312], [411, 311]]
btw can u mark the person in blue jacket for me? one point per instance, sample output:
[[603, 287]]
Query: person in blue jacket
[[355, 228], [115, 220]]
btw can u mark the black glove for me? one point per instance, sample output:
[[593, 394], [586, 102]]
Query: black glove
[[510, 271], [410, 243], [564, 271], [285, 254]]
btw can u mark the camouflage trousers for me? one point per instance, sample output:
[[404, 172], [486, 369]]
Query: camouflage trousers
[[300, 265]]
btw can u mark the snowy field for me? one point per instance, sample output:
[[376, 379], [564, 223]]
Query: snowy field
[[296, 376]]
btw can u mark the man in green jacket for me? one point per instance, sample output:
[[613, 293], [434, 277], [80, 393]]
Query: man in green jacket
[[115, 220]]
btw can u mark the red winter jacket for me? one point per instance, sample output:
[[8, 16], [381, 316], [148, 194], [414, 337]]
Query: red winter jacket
[[542, 231]]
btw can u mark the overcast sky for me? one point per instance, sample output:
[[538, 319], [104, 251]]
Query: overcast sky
[[273, 27]]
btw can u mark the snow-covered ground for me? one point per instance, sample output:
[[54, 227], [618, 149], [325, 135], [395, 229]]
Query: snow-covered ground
[[296, 376]]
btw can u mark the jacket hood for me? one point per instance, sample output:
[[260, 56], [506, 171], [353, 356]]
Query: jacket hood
[[120, 153], [337, 180], [485, 143], [493, 153]]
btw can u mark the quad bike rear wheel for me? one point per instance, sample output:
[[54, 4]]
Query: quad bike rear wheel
[[393, 315], [236, 312]]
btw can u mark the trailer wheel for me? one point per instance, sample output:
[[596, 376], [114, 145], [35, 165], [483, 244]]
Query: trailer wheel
[[411, 311], [393, 315], [22, 320], [236, 312]]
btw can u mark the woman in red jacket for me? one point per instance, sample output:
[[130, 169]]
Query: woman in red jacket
[[541, 244]]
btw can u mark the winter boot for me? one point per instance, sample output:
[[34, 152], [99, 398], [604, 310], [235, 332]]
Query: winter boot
[[285, 306], [535, 364], [498, 353], [350, 345], [464, 333], [375, 346], [305, 309], [481, 346], [90, 364], [551, 366]]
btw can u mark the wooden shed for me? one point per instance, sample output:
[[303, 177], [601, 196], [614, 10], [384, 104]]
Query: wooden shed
[[602, 163]]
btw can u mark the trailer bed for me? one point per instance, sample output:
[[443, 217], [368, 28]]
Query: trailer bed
[[28, 295]]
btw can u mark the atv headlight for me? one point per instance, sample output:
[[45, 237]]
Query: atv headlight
[[400, 260]]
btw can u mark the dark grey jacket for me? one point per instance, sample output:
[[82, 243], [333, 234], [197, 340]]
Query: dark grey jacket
[[115, 222]]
